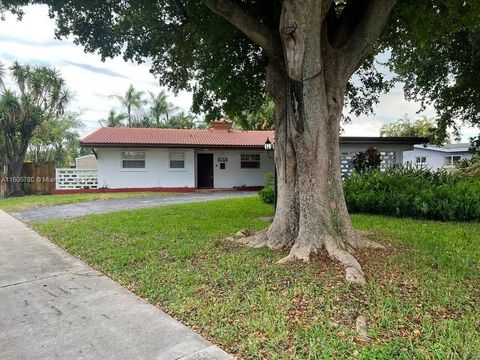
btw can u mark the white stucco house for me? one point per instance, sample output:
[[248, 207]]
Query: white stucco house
[[219, 157], [436, 157]]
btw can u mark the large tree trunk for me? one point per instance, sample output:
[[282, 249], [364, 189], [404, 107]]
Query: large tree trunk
[[310, 64], [311, 213], [284, 229], [14, 172], [15, 155]]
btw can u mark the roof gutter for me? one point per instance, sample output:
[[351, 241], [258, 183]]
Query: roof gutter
[[411, 140], [373, 140], [180, 146]]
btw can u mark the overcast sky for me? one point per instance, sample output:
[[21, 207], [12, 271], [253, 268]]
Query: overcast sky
[[93, 81]]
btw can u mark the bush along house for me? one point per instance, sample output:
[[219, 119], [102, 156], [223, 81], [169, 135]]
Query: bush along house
[[219, 157]]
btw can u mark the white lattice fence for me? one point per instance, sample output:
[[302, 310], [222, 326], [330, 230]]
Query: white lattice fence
[[70, 179], [389, 159]]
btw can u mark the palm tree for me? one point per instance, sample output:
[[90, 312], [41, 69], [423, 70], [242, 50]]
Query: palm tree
[[401, 127], [40, 97], [132, 100], [113, 119], [424, 126], [161, 107], [56, 140], [181, 120]]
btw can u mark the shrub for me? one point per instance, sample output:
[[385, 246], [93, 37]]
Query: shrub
[[267, 194], [417, 193], [367, 160], [470, 167], [269, 180]]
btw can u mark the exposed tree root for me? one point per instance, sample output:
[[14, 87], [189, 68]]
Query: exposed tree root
[[357, 240], [353, 269], [259, 240], [303, 250], [298, 252]]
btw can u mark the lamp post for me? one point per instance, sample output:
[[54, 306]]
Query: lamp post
[[269, 146]]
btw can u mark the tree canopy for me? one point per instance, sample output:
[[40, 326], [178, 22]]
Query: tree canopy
[[434, 47], [56, 140], [40, 96], [435, 50]]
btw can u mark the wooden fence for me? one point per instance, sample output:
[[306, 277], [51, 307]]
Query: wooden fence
[[37, 178]]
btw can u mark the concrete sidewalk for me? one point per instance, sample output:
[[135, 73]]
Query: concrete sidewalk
[[53, 306], [104, 206]]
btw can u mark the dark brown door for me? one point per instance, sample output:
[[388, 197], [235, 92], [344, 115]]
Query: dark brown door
[[205, 171]]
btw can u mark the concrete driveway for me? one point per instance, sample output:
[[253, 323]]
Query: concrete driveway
[[103, 206], [53, 306]]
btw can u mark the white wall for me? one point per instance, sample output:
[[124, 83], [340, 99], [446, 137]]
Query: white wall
[[158, 174], [435, 159], [155, 174], [234, 175]]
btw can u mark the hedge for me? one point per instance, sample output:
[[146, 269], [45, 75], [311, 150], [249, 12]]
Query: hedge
[[410, 192]]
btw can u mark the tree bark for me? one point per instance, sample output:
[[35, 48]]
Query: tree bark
[[16, 150], [284, 229], [14, 172]]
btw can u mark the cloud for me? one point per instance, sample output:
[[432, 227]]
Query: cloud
[[95, 69], [362, 127], [92, 81], [16, 40], [392, 106]]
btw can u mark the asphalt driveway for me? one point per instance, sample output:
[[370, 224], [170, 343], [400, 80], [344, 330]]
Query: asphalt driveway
[[53, 306], [104, 206]]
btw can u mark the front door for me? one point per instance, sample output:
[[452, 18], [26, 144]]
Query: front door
[[205, 171]]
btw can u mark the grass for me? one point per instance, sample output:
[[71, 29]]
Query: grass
[[421, 301], [27, 202]]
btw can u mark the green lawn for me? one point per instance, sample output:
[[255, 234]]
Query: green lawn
[[421, 301], [34, 201]]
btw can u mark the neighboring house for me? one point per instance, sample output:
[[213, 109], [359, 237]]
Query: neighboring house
[[219, 157], [436, 157], [86, 162]]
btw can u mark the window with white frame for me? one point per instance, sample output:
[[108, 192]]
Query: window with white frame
[[250, 161], [451, 160], [177, 160], [420, 160], [133, 160]]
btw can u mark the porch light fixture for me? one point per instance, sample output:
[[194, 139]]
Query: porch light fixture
[[268, 145]]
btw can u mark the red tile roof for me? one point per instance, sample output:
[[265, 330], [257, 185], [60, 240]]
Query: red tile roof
[[176, 137]]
